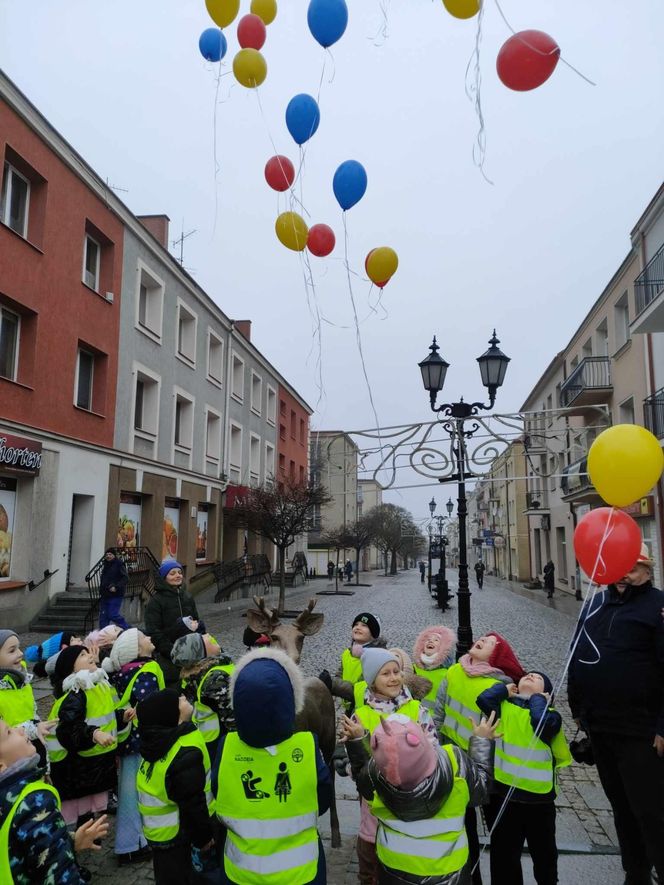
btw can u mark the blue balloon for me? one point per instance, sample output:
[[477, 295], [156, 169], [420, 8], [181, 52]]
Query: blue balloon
[[212, 44], [302, 117], [327, 20], [349, 183]]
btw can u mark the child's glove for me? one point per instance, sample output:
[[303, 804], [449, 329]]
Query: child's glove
[[204, 860]]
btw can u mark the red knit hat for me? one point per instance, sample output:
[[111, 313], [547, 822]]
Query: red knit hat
[[503, 658]]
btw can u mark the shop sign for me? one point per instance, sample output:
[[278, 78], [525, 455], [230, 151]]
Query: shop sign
[[201, 532], [20, 455], [235, 495], [7, 508], [129, 521], [643, 507], [169, 540]]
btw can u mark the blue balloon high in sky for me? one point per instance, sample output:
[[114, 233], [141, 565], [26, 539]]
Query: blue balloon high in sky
[[327, 20], [349, 183], [302, 117], [212, 44]]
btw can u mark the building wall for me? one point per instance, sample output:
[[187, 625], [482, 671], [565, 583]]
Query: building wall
[[334, 461], [293, 438], [369, 495]]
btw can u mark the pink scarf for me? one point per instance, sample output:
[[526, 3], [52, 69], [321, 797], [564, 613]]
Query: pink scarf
[[478, 668]]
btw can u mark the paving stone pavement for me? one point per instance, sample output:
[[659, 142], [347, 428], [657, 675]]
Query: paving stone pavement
[[538, 629]]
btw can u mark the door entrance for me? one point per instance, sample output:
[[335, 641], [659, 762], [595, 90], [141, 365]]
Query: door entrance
[[80, 540]]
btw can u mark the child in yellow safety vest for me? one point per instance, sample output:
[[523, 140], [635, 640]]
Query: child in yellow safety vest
[[419, 794], [386, 695], [433, 654], [530, 750], [364, 634], [135, 676]]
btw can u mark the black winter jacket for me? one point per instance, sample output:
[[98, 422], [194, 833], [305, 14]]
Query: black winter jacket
[[113, 574], [161, 623], [616, 676]]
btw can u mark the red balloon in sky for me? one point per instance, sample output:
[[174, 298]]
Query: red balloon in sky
[[321, 240], [527, 60], [607, 554], [251, 32], [279, 173]]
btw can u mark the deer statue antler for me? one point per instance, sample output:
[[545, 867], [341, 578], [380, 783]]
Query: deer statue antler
[[307, 622], [268, 612]]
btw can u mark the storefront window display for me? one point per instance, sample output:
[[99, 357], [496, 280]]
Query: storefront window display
[[7, 509], [202, 533], [129, 521], [169, 541]]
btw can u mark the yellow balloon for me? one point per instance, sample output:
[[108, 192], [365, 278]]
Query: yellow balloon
[[292, 231], [222, 12], [382, 264], [265, 9], [624, 463], [249, 68], [462, 8]]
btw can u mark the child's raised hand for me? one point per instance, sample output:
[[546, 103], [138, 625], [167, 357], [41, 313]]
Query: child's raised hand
[[44, 728], [93, 648], [350, 729], [85, 835], [487, 727], [129, 714], [512, 690]]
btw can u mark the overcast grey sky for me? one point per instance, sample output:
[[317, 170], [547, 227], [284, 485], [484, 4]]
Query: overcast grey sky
[[573, 167]]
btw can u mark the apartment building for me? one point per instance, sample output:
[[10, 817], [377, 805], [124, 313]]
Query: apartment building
[[369, 495]]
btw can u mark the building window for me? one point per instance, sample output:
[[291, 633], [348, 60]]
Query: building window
[[84, 379], [269, 461], [602, 338], [184, 422], [621, 312], [291, 471], [254, 460], [237, 385], [626, 411], [302, 478], [91, 257], [282, 431], [271, 406], [256, 392], [235, 454], [213, 436], [293, 424], [282, 465], [15, 200], [9, 338], [302, 432], [146, 404], [186, 331], [149, 303], [282, 408], [215, 361]]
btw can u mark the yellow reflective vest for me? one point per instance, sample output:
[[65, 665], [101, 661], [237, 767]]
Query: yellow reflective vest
[[433, 847], [160, 815], [351, 668], [461, 710], [204, 717], [523, 760], [268, 801], [359, 690], [371, 718], [125, 701], [17, 704], [37, 786], [434, 676], [100, 701]]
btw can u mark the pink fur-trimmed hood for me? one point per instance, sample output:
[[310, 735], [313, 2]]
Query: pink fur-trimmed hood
[[445, 654]]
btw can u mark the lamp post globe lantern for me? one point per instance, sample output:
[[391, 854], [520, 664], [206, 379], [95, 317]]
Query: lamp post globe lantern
[[433, 369], [432, 506], [493, 366], [449, 506]]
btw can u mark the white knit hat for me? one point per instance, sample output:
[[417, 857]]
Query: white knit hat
[[125, 650]]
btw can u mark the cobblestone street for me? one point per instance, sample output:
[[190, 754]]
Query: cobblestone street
[[540, 632]]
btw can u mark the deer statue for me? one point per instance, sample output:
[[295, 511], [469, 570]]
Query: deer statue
[[318, 714]]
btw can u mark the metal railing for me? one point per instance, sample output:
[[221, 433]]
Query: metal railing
[[650, 281], [575, 478], [653, 413], [254, 569], [142, 569], [593, 372]]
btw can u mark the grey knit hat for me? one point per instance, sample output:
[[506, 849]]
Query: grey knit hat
[[373, 660], [188, 649], [5, 635]]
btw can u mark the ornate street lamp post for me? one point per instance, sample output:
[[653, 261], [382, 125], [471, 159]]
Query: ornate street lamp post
[[493, 366], [432, 508]]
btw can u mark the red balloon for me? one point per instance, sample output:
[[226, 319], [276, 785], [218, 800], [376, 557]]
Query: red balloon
[[251, 32], [279, 172], [380, 285], [527, 60], [607, 543], [321, 240]]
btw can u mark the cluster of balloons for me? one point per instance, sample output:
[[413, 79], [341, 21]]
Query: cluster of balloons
[[249, 65], [624, 463]]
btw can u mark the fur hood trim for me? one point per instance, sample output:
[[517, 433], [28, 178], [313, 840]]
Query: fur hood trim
[[446, 649], [85, 679], [272, 654]]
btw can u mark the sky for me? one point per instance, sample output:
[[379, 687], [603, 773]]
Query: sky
[[572, 167]]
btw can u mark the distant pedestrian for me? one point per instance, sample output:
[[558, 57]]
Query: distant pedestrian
[[112, 588], [479, 572], [549, 579], [423, 569], [348, 569], [330, 571]]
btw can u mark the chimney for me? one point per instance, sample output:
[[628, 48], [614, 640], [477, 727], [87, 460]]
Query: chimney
[[158, 227], [244, 328]]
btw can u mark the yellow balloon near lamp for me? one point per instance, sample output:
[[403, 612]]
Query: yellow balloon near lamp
[[624, 463], [222, 12], [382, 263], [249, 68], [462, 8], [292, 231], [265, 9]]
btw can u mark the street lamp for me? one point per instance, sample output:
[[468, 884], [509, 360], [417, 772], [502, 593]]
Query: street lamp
[[441, 581], [493, 366], [429, 572]]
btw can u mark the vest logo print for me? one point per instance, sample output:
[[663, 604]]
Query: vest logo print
[[249, 784], [239, 758], [297, 755], [282, 784]]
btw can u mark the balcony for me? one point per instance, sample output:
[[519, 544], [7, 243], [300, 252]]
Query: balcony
[[653, 413], [649, 293], [537, 502], [588, 384], [575, 482]]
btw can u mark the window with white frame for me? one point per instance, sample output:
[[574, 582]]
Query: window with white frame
[[254, 459], [215, 358], [212, 435], [10, 324], [85, 366], [237, 378], [186, 332], [621, 314], [271, 405], [146, 403], [269, 461], [183, 432], [91, 258], [256, 392], [149, 302], [235, 453], [626, 411], [15, 200]]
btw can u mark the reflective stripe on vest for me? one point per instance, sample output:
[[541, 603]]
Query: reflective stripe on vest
[[268, 802], [435, 676], [204, 717], [36, 787], [523, 760], [17, 705], [433, 847], [371, 718], [461, 710], [159, 814], [125, 701], [99, 713]]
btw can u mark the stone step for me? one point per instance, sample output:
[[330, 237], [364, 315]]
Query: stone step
[[54, 625]]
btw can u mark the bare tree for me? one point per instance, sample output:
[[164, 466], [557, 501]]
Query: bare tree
[[335, 539], [385, 521], [280, 514]]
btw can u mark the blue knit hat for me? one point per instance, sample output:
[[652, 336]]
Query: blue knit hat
[[167, 565]]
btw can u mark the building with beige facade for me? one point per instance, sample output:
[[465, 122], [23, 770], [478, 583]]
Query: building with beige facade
[[369, 495]]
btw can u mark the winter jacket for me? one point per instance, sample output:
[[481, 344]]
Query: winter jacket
[[424, 800], [145, 685], [616, 676], [41, 851], [162, 615], [216, 690], [113, 574], [545, 722]]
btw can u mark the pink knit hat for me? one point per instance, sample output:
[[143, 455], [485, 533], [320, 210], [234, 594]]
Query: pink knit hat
[[445, 649], [403, 753]]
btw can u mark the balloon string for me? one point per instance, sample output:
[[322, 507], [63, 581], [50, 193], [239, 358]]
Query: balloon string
[[541, 51], [318, 332], [474, 93], [217, 165]]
